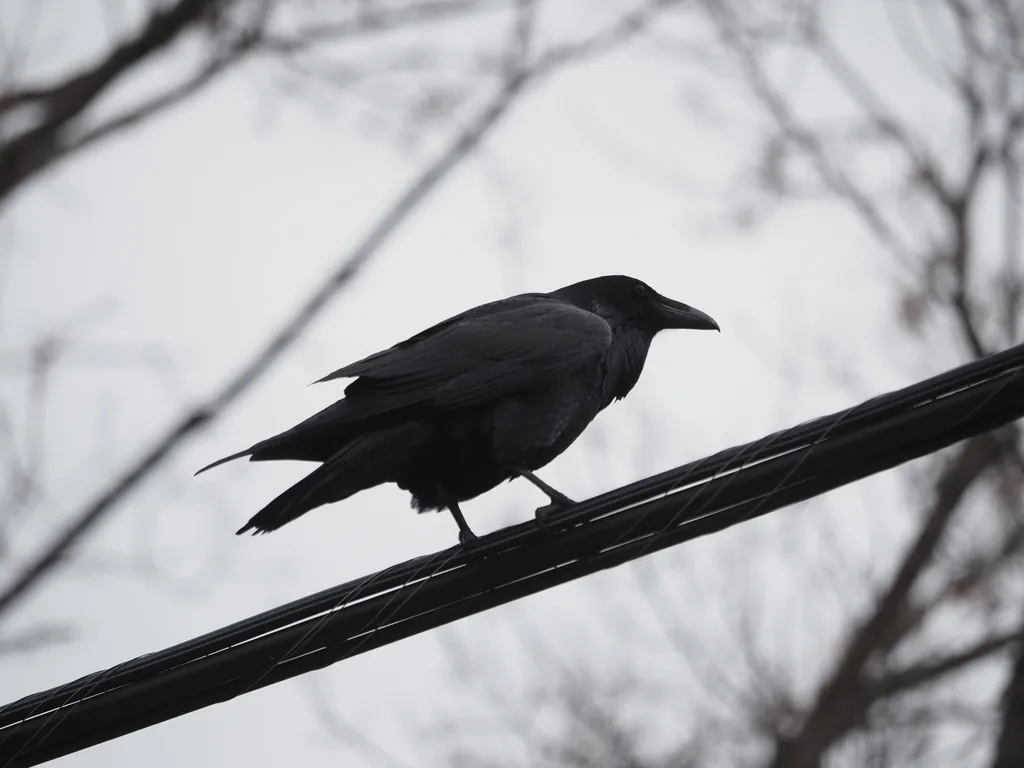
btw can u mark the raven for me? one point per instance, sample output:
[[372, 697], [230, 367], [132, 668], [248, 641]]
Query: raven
[[486, 396]]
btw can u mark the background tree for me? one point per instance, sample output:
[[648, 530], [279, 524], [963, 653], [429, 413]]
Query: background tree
[[165, 216], [390, 58], [828, 147], [48, 118], [914, 670]]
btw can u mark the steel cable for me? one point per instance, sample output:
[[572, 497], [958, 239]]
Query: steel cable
[[681, 504]]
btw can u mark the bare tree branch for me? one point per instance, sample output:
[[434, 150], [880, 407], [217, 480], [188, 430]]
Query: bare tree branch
[[346, 734], [519, 75], [35, 149], [375, 21], [1009, 751], [935, 219], [841, 704], [139, 113], [232, 31], [840, 182], [263, 360], [35, 639], [932, 670]]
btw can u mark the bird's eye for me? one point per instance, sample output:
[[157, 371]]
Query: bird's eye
[[640, 289]]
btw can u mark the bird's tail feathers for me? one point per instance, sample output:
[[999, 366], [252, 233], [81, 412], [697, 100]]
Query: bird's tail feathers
[[323, 485], [314, 439], [362, 463], [225, 460]]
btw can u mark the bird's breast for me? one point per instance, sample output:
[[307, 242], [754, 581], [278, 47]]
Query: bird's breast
[[533, 428]]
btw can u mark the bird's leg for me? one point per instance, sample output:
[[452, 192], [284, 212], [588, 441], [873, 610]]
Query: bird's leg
[[466, 535], [558, 499]]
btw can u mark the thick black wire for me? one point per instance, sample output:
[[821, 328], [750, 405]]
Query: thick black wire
[[783, 468]]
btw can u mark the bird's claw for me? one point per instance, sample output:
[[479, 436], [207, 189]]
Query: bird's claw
[[543, 514], [468, 540]]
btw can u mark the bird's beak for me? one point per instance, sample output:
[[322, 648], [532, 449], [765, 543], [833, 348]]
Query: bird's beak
[[675, 314]]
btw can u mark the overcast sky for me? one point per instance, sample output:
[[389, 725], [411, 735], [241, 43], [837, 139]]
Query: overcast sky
[[182, 245]]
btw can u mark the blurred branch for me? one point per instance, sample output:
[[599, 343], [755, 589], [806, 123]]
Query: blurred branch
[[794, 132], [43, 123], [344, 733], [1013, 242], [39, 362], [842, 702], [881, 119], [931, 670], [252, 371], [25, 472], [985, 89], [1009, 748], [369, 20], [519, 76], [944, 257], [35, 639], [956, 202], [149, 108], [56, 106], [945, 247]]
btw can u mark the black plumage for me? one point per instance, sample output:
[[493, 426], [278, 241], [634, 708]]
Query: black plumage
[[491, 394]]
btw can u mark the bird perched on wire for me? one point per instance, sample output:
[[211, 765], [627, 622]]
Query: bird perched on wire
[[488, 395]]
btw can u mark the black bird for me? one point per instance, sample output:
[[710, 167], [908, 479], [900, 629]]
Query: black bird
[[486, 396]]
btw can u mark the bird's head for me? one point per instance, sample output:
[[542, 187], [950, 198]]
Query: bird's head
[[626, 301]]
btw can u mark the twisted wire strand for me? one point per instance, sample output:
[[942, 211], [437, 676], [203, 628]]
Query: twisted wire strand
[[696, 499]]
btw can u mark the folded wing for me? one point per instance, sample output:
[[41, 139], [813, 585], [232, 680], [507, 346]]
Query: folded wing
[[480, 356], [517, 344]]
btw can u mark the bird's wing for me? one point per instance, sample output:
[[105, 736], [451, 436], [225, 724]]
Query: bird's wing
[[481, 355]]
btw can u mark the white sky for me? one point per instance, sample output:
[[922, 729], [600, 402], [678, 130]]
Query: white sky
[[198, 234]]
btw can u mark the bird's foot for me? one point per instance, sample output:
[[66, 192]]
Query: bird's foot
[[543, 517], [468, 540], [559, 501]]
